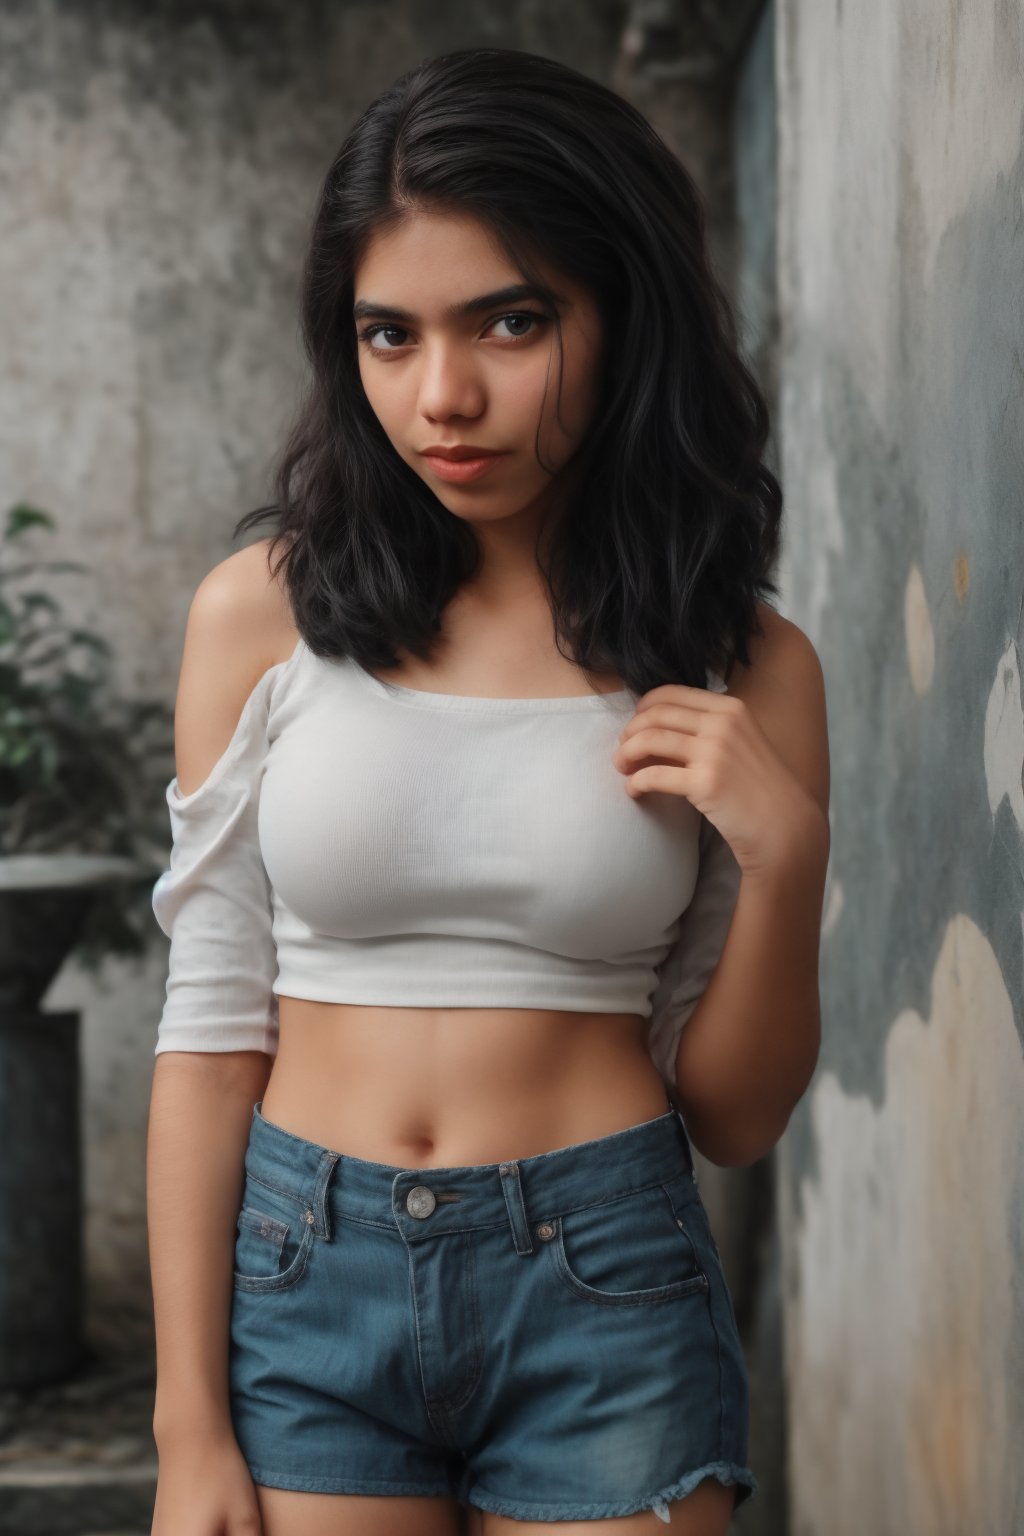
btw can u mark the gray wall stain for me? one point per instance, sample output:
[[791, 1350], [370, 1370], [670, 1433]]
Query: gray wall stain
[[901, 245]]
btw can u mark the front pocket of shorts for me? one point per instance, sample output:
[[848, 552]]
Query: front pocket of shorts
[[627, 1251], [273, 1238]]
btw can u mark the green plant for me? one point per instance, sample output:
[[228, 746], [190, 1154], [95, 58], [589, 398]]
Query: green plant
[[81, 770]]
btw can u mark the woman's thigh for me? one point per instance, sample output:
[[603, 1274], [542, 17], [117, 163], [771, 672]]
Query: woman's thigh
[[706, 1511], [286, 1513]]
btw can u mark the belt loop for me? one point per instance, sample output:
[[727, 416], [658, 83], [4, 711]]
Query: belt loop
[[321, 1219], [512, 1187]]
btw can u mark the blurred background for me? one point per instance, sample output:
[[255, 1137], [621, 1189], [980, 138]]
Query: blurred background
[[862, 167]]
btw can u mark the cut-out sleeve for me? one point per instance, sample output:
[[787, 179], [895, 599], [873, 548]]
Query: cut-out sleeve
[[684, 974], [214, 903]]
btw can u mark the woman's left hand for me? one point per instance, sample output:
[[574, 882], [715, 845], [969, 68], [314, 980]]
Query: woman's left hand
[[708, 748]]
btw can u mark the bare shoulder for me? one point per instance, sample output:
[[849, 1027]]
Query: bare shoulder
[[243, 587], [784, 688], [782, 653], [239, 625]]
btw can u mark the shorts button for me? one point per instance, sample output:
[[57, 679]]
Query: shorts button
[[545, 1230], [504, 1167], [309, 1218], [420, 1201]]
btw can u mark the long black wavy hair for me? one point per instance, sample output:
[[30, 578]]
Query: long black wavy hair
[[664, 542]]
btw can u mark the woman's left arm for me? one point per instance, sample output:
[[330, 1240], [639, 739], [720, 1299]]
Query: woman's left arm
[[755, 762]]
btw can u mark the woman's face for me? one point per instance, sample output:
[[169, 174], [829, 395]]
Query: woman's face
[[440, 375]]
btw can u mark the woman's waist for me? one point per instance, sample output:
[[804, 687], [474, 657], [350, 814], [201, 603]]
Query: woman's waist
[[446, 1086]]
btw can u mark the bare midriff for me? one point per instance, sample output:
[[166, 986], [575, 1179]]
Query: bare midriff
[[446, 1087]]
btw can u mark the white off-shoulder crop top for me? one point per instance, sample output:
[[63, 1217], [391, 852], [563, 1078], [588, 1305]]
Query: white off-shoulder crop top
[[363, 842]]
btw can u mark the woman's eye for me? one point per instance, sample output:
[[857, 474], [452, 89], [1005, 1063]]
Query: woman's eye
[[518, 318], [524, 318], [373, 331]]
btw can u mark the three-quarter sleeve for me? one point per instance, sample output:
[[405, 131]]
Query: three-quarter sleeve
[[214, 904], [684, 974]]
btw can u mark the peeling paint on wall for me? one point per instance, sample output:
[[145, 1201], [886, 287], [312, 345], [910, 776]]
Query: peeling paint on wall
[[920, 635], [900, 1414], [1004, 736], [901, 248]]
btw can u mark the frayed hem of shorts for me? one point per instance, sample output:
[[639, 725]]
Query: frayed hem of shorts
[[293, 1484], [729, 1473]]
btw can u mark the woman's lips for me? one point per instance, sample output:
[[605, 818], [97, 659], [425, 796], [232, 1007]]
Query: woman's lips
[[461, 470]]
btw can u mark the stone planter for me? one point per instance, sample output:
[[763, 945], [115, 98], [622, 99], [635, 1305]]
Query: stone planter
[[44, 900]]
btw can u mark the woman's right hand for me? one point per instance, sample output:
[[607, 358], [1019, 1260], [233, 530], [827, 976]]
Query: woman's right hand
[[204, 1488]]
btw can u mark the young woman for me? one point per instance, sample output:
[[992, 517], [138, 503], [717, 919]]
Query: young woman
[[501, 774]]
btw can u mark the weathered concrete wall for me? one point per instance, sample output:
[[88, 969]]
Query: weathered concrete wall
[[901, 254], [159, 166]]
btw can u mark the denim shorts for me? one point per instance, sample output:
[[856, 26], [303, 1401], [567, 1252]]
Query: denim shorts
[[550, 1338]]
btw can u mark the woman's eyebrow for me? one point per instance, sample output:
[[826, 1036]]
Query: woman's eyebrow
[[364, 309]]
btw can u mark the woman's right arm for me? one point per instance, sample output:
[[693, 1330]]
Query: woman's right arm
[[201, 1100], [199, 1113]]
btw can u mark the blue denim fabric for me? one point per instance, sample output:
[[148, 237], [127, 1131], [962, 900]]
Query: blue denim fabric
[[550, 1338]]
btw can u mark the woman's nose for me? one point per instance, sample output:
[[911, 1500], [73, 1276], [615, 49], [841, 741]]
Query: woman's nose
[[449, 386]]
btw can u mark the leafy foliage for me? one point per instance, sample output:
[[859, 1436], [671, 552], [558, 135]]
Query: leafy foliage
[[81, 769]]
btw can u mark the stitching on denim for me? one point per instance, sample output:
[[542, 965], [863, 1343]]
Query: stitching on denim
[[701, 1212], [415, 1237], [542, 1213], [730, 1473], [368, 1221], [625, 1194], [286, 1279], [429, 1404], [673, 1290], [343, 1485], [517, 1216], [279, 1189], [532, 1215], [721, 1367], [476, 1364], [474, 1226], [439, 1413], [259, 1221], [683, 1229], [318, 1200]]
